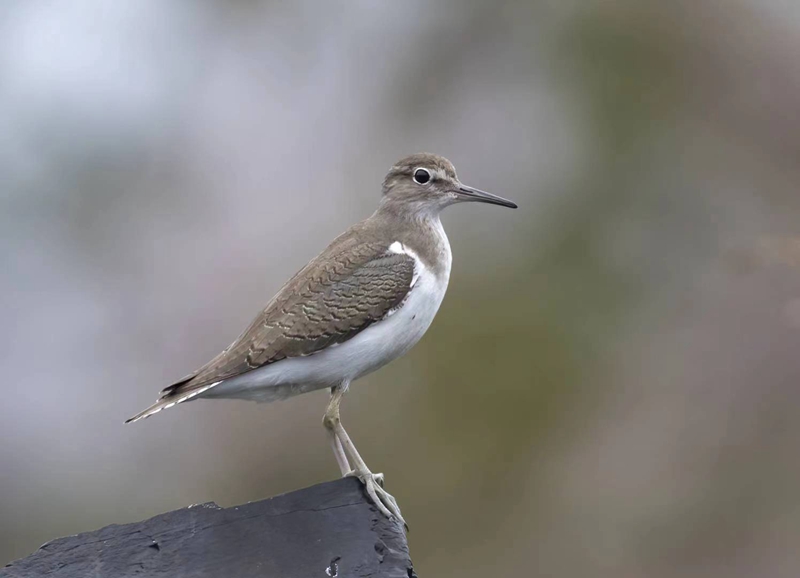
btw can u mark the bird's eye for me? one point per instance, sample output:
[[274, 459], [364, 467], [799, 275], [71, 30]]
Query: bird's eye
[[421, 176]]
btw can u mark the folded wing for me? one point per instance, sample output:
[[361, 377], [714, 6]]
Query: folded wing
[[331, 300]]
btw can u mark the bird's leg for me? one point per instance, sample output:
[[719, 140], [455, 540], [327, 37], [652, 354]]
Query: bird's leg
[[332, 416], [373, 483]]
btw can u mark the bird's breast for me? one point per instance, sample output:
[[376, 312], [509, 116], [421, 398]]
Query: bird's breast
[[400, 330]]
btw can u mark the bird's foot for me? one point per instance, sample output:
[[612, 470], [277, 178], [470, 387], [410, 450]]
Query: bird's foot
[[383, 500], [378, 478]]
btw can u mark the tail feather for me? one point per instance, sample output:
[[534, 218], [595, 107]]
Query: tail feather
[[168, 400]]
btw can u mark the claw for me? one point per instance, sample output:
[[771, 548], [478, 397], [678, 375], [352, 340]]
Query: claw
[[379, 478], [383, 500]]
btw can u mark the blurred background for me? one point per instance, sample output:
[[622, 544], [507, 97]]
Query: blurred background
[[611, 386]]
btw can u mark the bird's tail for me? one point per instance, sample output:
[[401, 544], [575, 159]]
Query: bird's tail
[[168, 400]]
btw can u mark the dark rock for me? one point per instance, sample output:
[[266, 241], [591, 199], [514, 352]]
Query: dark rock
[[326, 531]]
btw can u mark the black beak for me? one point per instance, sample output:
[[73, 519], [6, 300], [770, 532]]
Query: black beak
[[470, 194]]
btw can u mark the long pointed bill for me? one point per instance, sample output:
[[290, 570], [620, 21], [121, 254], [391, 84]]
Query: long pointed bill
[[470, 194]]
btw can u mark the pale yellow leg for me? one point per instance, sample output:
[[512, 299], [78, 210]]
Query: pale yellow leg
[[344, 449]]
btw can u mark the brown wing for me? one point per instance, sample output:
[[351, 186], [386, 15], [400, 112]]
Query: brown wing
[[331, 300]]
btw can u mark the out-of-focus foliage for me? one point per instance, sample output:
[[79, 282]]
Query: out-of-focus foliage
[[611, 386]]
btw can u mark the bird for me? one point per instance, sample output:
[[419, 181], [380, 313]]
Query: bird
[[362, 302]]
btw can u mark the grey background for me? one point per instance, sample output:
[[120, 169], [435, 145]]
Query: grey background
[[611, 385]]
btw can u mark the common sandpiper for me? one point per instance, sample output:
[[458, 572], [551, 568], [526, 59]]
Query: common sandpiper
[[362, 302]]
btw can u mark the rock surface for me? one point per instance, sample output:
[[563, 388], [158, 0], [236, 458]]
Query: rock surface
[[328, 530]]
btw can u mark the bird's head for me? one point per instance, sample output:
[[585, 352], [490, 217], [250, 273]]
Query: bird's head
[[426, 182]]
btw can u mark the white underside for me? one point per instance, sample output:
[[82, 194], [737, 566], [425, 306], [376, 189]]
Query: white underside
[[371, 349]]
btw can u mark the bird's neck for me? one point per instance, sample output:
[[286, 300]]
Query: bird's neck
[[408, 211]]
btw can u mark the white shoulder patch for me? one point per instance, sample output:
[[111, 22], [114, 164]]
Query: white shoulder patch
[[397, 248]]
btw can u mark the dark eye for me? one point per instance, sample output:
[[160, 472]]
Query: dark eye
[[421, 176]]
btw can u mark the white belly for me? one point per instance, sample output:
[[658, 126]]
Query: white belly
[[371, 349]]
